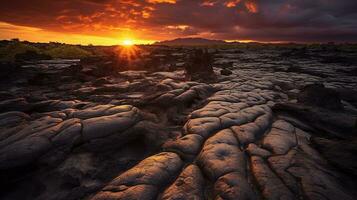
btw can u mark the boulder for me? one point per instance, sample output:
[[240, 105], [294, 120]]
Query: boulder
[[18, 104], [340, 153], [199, 65], [318, 95], [226, 72], [324, 122]]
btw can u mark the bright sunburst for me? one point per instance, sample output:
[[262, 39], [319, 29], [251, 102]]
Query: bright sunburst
[[127, 50], [127, 42]]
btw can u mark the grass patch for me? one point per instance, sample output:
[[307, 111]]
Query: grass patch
[[68, 52]]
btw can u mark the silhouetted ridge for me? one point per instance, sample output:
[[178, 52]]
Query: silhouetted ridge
[[191, 41]]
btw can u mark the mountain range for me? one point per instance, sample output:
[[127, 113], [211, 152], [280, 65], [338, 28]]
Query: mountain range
[[191, 42]]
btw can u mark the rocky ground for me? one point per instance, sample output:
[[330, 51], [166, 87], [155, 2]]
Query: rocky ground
[[275, 126]]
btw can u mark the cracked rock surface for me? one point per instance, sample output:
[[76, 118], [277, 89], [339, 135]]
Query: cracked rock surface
[[153, 135]]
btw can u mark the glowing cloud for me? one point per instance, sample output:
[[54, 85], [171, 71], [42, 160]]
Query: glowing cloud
[[231, 4], [251, 7], [162, 1], [111, 21]]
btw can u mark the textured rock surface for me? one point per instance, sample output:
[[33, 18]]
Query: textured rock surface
[[153, 135]]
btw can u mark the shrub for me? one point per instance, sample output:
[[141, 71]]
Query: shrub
[[8, 53], [31, 55], [68, 52]]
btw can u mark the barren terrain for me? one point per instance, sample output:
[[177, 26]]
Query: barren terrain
[[279, 124]]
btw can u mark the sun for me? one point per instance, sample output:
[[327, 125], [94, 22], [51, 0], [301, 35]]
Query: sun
[[127, 42]]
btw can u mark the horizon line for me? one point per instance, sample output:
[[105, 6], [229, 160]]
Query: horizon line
[[228, 42]]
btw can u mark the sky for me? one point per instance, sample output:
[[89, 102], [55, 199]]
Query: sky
[[109, 22]]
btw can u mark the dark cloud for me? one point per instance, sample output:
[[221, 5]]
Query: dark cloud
[[262, 20]]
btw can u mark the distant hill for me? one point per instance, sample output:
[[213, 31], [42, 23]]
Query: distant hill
[[190, 42]]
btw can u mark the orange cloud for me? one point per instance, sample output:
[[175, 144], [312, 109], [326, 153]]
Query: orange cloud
[[162, 1], [110, 21], [231, 4], [251, 6], [209, 3]]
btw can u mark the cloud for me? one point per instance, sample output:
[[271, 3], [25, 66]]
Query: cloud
[[162, 1], [274, 20]]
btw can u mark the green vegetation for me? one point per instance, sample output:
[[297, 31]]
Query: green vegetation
[[8, 52], [69, 52], [15, 50]]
